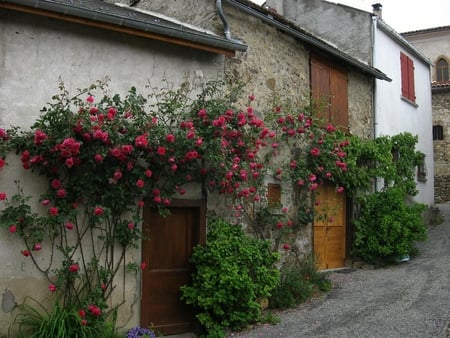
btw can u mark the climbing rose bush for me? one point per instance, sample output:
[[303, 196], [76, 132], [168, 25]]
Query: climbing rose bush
[[105, 158]]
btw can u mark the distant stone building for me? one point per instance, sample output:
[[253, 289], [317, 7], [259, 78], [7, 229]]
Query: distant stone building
[[435, 44]]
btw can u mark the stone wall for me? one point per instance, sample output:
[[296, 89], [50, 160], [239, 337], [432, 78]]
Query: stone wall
[[441, 117]]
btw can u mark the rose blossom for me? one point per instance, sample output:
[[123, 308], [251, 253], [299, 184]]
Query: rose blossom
[[52, 287], [98, 211], [53, 211], [2, 196], [140, 183], [74, 268], [12, 229], [161, 151]]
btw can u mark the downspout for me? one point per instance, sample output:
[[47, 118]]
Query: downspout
[[226, 26], [374, 28]]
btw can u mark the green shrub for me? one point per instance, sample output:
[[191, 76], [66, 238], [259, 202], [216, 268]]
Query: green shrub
[[229, 274], [387, 226], [35, 321], [297, 284]]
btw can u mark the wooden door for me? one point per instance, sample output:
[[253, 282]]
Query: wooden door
[[329, 227], [166, 249]]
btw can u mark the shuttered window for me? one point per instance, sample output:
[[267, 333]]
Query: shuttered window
[[329, 88], [407, 69]]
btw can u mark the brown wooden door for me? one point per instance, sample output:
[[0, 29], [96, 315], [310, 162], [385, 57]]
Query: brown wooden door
[[166, 249], [329, 227]]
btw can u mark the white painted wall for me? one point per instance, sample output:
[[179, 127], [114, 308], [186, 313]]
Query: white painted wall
[[394, 115]]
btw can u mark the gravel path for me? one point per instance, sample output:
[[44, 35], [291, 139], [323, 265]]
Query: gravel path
[[407, 300]]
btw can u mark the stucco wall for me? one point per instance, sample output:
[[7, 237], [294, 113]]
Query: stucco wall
[[35, 53], [435, 44], [345, 27], [395, 115]]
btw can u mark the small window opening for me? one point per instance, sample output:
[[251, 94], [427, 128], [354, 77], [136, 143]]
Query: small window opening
[[438, 133]]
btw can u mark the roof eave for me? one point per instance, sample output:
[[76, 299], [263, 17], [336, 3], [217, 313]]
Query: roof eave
[[115, 18]]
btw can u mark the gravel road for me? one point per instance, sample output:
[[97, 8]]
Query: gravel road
[[408, 300]]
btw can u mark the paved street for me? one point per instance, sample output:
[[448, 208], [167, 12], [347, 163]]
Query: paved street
[[408, 300]]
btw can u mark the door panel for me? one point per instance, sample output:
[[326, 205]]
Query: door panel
[[329, 227], [166, 249]]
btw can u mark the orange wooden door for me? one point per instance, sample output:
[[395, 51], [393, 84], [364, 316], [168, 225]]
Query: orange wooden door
[[329, 227], [167, 248]]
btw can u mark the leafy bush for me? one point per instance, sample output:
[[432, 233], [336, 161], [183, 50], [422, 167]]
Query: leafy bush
[[387, 226], [297, 284], [35, 321], [229, 274]]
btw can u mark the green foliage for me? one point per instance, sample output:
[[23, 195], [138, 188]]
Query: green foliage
[[387, 226], [35, 321], [229, 274], [297, 284]]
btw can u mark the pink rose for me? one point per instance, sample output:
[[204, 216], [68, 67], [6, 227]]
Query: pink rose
[[74, 268], [140, 183], [37, 247], [98, 158], [98, 211], [2, 196], [54, 211], [12, 229], [56, 184], [170, 138], [161, 151], [52, 287]]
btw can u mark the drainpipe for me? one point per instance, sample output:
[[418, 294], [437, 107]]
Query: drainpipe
[[226, 26]]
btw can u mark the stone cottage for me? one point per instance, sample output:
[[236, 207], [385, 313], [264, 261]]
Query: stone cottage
[[79, 42]]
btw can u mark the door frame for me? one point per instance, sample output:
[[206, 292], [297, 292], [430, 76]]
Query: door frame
[[200, 205]]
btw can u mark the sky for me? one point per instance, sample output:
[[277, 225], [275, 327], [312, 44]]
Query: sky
[[407, 15], [404, 15]]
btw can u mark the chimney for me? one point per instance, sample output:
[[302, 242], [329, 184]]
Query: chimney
[[377, 10]]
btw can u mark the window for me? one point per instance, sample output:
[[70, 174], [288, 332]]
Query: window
[[441, 70], [407, 68], [329, 88], [274, 195], [438, 133]]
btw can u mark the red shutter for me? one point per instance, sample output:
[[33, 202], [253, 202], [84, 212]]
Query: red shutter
[[411, 90], [407, 71], [404, 71]]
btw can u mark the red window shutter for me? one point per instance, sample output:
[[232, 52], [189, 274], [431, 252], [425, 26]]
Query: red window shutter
[[407, 73], [404, 72], [411, 90]]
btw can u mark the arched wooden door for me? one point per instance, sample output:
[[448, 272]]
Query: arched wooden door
[[167, 248], [329, 227]]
